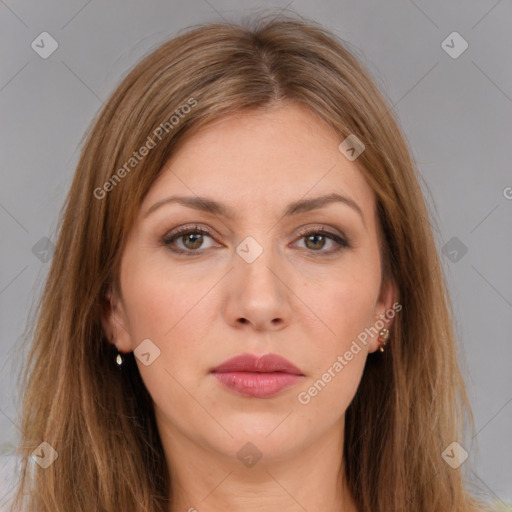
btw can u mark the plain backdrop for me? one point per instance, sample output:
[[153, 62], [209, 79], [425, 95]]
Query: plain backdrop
[[455, 109]]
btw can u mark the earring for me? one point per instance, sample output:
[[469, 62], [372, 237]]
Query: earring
[[383, 338], [119, 357]]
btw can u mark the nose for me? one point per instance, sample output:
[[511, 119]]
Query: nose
[[258, 297]]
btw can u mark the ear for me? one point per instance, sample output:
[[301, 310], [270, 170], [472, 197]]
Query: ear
[[113, 321], [386, 309]]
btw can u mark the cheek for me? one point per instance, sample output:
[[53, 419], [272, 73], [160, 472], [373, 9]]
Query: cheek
[[336, 368], [175, 312], [162, 303], [172, 311], [355, 313], [345, 304], [347, 311]]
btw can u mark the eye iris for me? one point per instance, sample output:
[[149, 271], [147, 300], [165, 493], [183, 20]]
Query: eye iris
[[198, 240], [311, 237]]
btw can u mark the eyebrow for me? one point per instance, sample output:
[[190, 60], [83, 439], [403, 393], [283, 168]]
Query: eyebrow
[[295, 208]]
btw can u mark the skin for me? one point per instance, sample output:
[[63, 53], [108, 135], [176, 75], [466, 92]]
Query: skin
[[302, 301]]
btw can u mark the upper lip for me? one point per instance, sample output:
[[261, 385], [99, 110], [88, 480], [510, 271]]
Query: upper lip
[[251, 363]]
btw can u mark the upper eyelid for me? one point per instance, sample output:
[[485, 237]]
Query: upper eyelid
[[212, 233]]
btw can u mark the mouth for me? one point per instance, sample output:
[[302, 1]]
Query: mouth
[[257, 377]]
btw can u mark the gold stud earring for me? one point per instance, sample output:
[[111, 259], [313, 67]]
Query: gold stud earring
[[383, 338]]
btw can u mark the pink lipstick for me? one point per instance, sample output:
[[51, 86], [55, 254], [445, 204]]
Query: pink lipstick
[[257, 377]]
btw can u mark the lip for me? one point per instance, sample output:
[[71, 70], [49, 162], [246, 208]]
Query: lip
[[257, 376]]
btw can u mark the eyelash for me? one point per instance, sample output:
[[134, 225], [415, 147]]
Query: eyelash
[[167, 240]]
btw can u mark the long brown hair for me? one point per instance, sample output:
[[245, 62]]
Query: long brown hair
[[411, 403]]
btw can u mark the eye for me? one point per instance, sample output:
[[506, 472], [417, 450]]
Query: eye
[[192, 238], [316, 240]]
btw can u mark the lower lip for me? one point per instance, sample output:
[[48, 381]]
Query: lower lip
[[257, 385]]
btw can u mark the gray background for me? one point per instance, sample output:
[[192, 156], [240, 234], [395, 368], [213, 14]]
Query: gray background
[[456, 113]]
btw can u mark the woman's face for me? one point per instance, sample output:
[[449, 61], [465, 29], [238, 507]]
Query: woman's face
[[254, 284]]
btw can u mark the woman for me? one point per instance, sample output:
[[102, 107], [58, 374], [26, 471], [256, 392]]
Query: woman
[[245, 309]]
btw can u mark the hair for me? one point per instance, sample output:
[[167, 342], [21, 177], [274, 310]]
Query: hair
[[411, 402]]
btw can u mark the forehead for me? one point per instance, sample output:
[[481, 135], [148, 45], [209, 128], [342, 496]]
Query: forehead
[[262, 159]]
